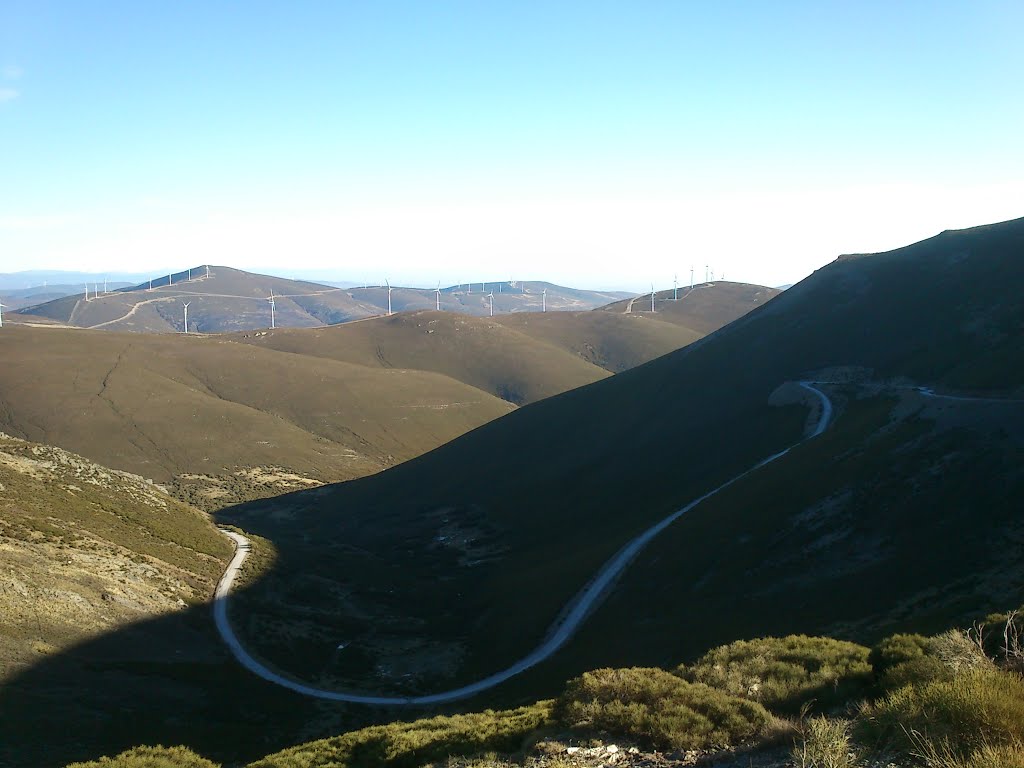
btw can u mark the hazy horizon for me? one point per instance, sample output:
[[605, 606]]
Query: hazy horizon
[[452, 141]]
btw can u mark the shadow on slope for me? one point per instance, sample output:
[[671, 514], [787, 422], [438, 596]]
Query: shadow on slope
[[461, 558], [467, 553]]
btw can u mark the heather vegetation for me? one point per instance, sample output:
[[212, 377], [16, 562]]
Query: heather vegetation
[[785, 673], [957, 707], [659, 709]]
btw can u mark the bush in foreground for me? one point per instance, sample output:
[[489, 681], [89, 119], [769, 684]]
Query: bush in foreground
[[408, 745], [977, 709], [786, 673], [823, 743], [658, 709], [151, 757]]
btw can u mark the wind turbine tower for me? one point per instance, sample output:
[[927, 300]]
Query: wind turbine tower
[[87, 292], [491, 297], [273, 308], [104, 285], [675, 288], [706, 274], [2, 315], [207, 271], [185, 305], [389, 297], [438, 295], [691, 277], [652, 297], [151, 283], [544, 300], [190, 274]]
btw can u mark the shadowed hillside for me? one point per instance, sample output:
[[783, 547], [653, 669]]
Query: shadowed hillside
[[450, 565], [488, 556]]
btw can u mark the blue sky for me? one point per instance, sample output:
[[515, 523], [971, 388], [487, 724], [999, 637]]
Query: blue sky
[[597, 143]]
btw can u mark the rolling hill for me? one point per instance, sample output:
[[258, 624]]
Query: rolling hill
[[222, 299], [222, 420], [477, 351], [501, 527], [611, 337], [704, 308], [218, 417]]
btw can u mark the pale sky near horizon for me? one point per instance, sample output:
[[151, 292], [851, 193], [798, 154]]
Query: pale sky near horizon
[[599, 143]]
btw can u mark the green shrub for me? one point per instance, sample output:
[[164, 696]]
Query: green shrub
[[823, 743], [786, 673], [919, 672], [976, 708], [988, 756], [409, 745], [895, 650], [657, 708], [150, 757]]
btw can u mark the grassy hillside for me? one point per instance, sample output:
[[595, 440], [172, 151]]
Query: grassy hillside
[[85, 550], [613, 341], [703, 309], [477, 351], [500, 528], [222, 420]]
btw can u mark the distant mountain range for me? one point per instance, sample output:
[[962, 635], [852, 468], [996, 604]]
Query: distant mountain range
[[224, 299]]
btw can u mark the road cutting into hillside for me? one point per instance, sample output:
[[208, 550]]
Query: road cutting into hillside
[[570, 619]]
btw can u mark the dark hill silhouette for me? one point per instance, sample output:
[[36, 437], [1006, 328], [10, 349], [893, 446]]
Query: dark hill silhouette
[[546, 494]]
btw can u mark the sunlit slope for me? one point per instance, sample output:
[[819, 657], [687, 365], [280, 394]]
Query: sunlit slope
[[613, 341], [167, 406], [477, 351], [85, 550], [502, 526], [704, 308]]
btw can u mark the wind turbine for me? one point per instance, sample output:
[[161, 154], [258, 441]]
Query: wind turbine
[[706, 273], [151, 283], [675, 288], [712, 275], [190, 274], [104, 285], [170, 279], [87, 292], [491, 297], [544, 300], [207, 271], [2, 315], [389, 297], [185, 305], [438, 297], [691, 277], [652, 297], [273, 306]]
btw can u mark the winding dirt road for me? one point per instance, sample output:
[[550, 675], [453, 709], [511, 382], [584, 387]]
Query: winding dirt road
[[571, 618]]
